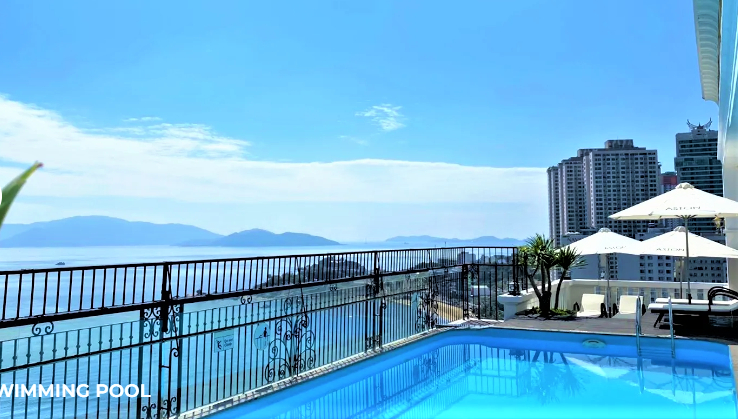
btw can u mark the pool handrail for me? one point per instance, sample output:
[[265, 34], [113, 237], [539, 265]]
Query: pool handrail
[[671, 329], [638, 325]]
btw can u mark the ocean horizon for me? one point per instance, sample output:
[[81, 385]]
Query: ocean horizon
[[47, 257]]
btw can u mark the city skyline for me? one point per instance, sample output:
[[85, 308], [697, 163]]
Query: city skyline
[[364, 123], [586, 189], [608, 180]]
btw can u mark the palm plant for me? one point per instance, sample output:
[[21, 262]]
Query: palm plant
[[539, 257], [10, 191], [567, 259]]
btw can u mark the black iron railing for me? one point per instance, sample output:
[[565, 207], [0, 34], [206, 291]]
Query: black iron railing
[[198, 332]]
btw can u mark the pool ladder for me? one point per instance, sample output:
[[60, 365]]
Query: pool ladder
[[671, 330], [638, 325], [639, 321]]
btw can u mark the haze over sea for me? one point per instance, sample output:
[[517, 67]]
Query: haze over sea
[[48, 257]]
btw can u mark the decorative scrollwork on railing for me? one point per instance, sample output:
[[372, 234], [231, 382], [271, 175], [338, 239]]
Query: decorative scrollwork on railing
[[474, 273], [292, 350], [375, 287], [247, 299], [151, 322], [333, 287], [41, 329], [167, 409], [173, 319], [474, 308], [173, 353], [427, 311], [150, 411]]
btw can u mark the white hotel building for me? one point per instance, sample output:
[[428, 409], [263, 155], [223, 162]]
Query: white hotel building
[[716, 25]]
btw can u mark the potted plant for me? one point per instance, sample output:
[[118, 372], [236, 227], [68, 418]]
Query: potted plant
[[537, 259]]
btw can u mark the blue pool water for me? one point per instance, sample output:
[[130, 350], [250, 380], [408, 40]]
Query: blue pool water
[[516, 374]]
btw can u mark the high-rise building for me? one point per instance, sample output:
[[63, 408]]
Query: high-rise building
[[697, 163], [599, 182], [554, 206], [585, 190], [668, 182], [572, 199], [618, 177]]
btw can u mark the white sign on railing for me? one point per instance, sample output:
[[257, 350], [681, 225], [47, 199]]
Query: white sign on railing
[[223, 341], [261, 336]]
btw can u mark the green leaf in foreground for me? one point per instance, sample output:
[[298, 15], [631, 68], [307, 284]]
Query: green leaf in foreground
[[10, 191]]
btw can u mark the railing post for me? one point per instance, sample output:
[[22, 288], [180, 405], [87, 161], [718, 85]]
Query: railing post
[[142, 320], [516, 279], [377, 289], [180, 347], [370, 329], [493, 303], [429, 303], [166, 296], [465, 278], [465, 299]]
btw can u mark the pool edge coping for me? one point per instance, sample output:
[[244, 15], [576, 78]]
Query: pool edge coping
[[216, 407]]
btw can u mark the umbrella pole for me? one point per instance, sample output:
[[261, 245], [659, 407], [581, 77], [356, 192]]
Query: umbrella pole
[[686, 259], [607, 272]]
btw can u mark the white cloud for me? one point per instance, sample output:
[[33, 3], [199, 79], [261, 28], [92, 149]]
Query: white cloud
[[354, 140], [387, 116], [191, 163], [143, 119]]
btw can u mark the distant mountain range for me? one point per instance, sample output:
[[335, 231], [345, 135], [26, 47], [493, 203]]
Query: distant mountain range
[[98, 231], [262, 238], [108, 231], [440, 241]]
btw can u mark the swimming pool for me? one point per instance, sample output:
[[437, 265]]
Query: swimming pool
[[504, 373]]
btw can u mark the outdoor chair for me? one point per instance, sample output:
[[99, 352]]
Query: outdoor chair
[[712, 292], [698, 307], [626, 308], [593, 305]]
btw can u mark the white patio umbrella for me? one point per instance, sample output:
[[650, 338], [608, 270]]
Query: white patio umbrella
[[681, 243], [685, 202], [605, 242], [674, 243]]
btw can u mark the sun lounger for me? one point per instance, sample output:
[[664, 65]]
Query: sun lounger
[[685, 301], [712, 308], [627, 307], [593, 305]]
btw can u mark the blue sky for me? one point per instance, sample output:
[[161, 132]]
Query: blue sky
[[357, 121]]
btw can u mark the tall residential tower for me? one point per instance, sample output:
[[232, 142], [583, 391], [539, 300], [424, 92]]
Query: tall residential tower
[[697, 163], [598, 183]]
